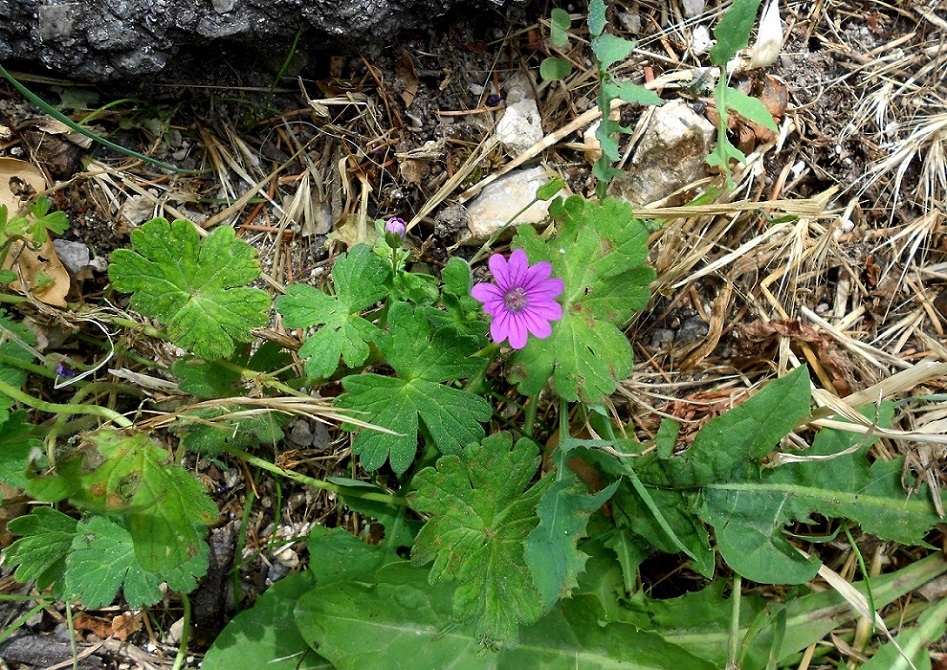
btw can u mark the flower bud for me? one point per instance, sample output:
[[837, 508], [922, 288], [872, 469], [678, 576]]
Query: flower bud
[[394, 232]]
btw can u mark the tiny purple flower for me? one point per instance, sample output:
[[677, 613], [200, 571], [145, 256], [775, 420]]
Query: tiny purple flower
[[522, 301], [64, 370], [395, 225]]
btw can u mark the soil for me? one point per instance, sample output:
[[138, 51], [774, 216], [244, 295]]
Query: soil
[[341, 139]]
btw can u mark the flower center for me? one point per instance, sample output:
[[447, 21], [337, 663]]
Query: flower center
[[515, 299]]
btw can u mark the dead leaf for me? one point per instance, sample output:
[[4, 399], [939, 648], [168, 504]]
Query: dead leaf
[[19, 181], [46, 278], [404, 70]]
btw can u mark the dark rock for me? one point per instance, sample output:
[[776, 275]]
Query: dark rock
[[99, 40]]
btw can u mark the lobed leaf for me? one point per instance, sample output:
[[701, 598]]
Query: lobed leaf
[[166, 508], [599, 253], [103, 560], [416, 400], [197, 290], [18, 440], [42, 550], [359, 277], [733, 31], [482, 511]]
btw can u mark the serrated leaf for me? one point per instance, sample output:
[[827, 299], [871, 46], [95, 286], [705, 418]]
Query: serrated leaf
[[631, 92], [560, 22], [609, 49], [399, 621], [197, 290], [166, 507], [462, 310], [359, 277], [42, 550], [416, 399], [749, 518], [261, 638], [750, 108], [552, 551], [733, 31], [17, 440], [599, 255], [103, 560], [596, 18], [555, 68], [482, 511]]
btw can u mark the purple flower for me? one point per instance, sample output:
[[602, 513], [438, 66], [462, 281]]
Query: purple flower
[[395, 225], [523, 298]]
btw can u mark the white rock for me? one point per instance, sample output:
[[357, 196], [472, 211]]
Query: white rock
[[693, 8], [74, 255], [501, 200], [520, 127], [669, 156], [701, 41]]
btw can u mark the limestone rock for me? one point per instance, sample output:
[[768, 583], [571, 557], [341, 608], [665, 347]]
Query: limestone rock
[[670, 155], [500, 201]]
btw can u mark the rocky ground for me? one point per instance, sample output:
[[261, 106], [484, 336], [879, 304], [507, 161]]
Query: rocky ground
[[829, 248]]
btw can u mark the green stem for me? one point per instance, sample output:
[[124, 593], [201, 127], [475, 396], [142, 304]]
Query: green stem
[[311, 481], [12, 299], [185, 634], [529, 416], [70, 625], [59, 116], [56, 408], [734, 641]]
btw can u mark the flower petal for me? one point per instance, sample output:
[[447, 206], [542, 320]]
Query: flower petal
[[537, 325], [536, 275], [517, 268], [500, 327], [490, 295], [517, 331], [550, 310], [500, 271]]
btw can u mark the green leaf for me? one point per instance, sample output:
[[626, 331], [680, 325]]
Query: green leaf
[[17, 441], [43, 222], [339, 556], [398, 622], [548, 191], [261, 637], [555, 68], [208, 431], [571, 637], [416, 399], [596, 17], [205, 379], [359, 277], [599, 254], [198, 291], [750, 108], [749, 517], [733, 31], [102, 559], [633, 93], [609, 49], [730, 447], [482, 512], [552, 552], [42, 550], [559, 27], [13, 336], [166, 507], [463, 312]]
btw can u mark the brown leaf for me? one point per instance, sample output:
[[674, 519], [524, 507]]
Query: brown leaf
[[46, 278]]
